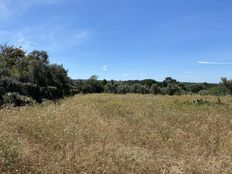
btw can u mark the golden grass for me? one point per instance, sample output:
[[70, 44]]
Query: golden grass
[[104, 133]]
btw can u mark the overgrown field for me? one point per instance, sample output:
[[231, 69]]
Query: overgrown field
[[104, 133]]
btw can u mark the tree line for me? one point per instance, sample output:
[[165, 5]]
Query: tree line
[[27, 78], [168, 86]]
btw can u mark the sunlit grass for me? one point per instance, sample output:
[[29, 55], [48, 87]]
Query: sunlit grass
[[131, 133]]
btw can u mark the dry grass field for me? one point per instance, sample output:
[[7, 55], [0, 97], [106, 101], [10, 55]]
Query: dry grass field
[[104, 133]]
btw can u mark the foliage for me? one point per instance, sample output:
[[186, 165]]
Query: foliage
[[227, 84], [219, 90], [148, 82], [155, 89], [91, 85], [204, 92], [195, 88], [31, 75], [15, 99], [173, 89], [123, 89], [168, 86], [139, 88], [111, 87]]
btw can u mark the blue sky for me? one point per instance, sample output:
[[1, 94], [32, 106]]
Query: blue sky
[[190, 40]]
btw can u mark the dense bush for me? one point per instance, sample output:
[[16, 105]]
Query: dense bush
[[195, 88], [155, 89], [227, 84], [139, 88], [91, 85], [30, 75], [204, 92], [173, 89], [111, 87], [219, 91], [123, 89], [15, 99], [169, 86]]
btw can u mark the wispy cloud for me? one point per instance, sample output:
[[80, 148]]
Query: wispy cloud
[[49, 37], [10, 8], [214, 63], [22, 41], [17, 38], [105, 68]]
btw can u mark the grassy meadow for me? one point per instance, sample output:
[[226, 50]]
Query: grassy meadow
[[106, 133]]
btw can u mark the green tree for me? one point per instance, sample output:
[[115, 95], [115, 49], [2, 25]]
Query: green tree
[[31, 75], [123, 89], [111, 87], [173, 89], [155, 89], [227, 84], [58, 77], [169, 80]]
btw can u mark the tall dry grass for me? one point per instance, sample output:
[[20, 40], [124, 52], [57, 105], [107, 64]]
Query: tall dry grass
[[118, 134]]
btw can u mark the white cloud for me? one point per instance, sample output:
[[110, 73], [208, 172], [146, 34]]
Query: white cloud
[[20, 38], [105, 68], [214, 63], [22, 41], [49, 37]]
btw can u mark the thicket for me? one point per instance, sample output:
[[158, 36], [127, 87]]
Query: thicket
[[27, 78], [168, 86]]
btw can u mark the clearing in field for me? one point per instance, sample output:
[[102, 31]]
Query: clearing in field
[[104, 133]]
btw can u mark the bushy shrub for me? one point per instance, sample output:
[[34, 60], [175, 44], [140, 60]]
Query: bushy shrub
[[173, 89], [31, 75], [123, 89], [143, 89], [204, 92], [134, 88], [155, 89], [138, 88], [195, 88], [219, 91], [15, 99], [227, 84], [92, 85], [164, 91], [111, 87]]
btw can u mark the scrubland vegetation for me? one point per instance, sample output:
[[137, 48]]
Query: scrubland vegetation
[[106, 133], [177, 127], [27, 78]]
